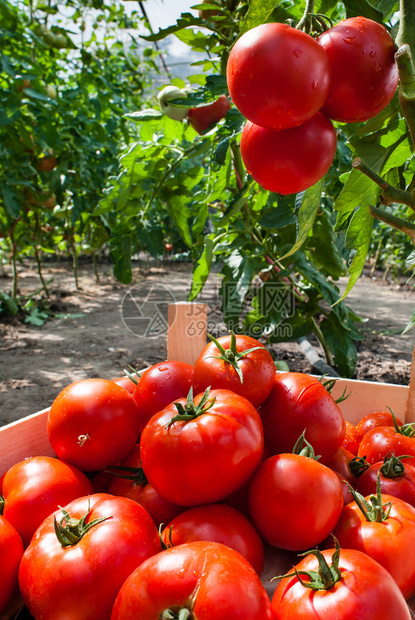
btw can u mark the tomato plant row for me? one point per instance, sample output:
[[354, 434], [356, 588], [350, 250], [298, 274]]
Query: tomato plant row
[[169, 486]]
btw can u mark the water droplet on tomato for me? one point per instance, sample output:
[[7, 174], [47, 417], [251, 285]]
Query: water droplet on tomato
[[349, 40], [298, 53], [314, 85], [372, 53], [377, 66]]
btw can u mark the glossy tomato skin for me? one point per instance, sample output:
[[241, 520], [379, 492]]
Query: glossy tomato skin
[[81, 582], [278, 76], [402, 486], [93, 423], [364, 73], [351, 439], [257, 369], [292, 160], [205, 459], [37, 486], [299, 401], [383, 440], [203, 118], [373, 420], [160, 385], [366, 591], [210, 579], [11, 551], [294, 501], [217, 523], [390, 542], [160, 510]]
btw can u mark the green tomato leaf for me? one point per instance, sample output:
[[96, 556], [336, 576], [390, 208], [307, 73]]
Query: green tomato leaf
[[358, 239], [410, 325], [356, 8], [310, 203], [184, 21], [358, 191], [202, 270], [144, 115], [341, 343]]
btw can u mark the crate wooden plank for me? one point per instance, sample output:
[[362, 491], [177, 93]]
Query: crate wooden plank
[[24, 438], [187, 325]]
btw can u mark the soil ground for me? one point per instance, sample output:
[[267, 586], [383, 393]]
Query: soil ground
[[104, 327]]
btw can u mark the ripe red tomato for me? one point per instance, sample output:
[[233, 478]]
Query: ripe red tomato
[[388, 539], [217, 523], [203, 118], [395, 477], [364, 73], [299, 401], [93, 423], [294, 501], [375, 419], [80, 581], [129, 480], [292, 160], [383, 440], [168, 247], [278, 76], [365, 591], [208, 579], [201, 452], [352, 438], [160, 385], [37, 486], [223, 364], [11, 551]]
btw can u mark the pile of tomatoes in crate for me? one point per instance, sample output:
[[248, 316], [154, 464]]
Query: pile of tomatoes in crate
[[169, 487]]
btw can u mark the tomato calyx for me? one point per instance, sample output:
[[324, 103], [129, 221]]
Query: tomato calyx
[[135, 474], [1, 504], [190, 410], [408, 430], [358, 465], [303, 447], [329, 385], [166, 545], [70, 533], [132, 374], [374, 509], [325, 577], [180, 614], [231, 355], [392, 466]]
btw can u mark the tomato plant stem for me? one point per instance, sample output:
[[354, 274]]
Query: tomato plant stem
[[404, 61], [406, 32], [389, 193], [305, 21], [396, 222]]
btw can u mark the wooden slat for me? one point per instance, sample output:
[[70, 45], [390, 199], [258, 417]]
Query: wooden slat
[[24, 438], [187, 324]]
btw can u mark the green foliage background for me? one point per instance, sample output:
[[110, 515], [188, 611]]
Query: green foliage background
[[128, 178]]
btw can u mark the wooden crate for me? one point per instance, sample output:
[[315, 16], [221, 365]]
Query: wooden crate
[[186, 337]]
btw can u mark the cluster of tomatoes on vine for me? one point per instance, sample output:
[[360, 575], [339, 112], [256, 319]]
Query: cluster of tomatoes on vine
[[290, 87], [168, 488]]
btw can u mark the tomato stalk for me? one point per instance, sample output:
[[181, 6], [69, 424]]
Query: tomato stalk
[[325, 577], [231, 355], [303, 447], [181, 614], [374, 509], [393, 466], [191, 411], [74, 530]]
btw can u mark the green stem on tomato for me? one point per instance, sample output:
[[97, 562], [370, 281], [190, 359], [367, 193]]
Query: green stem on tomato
[[305, 21], [404, 61], [406, 31]]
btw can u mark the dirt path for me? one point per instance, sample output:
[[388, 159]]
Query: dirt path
[[103, 328]]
